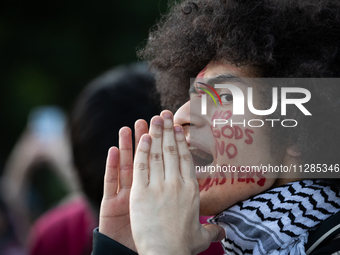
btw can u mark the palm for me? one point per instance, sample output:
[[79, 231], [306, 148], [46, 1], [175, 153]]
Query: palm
[[115, 216], [114, 219]]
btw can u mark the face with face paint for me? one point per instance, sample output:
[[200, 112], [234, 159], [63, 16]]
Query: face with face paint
[[226, 145]]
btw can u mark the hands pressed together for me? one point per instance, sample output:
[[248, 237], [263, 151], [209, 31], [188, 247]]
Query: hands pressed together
[[157, 212]]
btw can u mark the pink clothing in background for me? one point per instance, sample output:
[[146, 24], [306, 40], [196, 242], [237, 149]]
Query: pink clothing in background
[[66, 229]]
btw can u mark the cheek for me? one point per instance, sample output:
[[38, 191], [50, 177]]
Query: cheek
[[220, 198], [230, 139], [236, 148]]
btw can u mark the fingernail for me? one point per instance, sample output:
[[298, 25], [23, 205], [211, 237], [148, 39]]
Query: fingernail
[[167, 115], [158, 122], [178, 129], [146, 139]]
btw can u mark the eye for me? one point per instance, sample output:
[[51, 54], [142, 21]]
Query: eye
[[226, 98]]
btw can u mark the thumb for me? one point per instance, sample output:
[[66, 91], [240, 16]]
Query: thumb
[[216, 233]]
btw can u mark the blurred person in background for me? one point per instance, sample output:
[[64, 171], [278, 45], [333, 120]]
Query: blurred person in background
[[9, 243], [38, 173], [106, 104]]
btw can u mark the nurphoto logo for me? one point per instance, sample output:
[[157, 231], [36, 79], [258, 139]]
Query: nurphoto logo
[[239, 99]]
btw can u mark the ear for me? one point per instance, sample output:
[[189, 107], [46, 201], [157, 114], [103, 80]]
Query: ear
[[291, 157], [293, 151]]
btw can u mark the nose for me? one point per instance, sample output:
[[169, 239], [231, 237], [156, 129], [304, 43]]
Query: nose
[[188, 117], [182, 116]]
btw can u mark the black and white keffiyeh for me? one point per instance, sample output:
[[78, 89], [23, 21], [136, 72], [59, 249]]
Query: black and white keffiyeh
[[278, 221]]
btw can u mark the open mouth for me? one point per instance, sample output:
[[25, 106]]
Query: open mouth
[[200, 157]]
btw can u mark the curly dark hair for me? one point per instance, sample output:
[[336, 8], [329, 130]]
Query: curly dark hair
[[282, 38], [279, 38]]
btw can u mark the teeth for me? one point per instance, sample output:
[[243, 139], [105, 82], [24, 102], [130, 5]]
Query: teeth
[[201, 154], [192, 148]]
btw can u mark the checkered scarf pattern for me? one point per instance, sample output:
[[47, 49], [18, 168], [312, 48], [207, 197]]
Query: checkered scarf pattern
[[277, 221]]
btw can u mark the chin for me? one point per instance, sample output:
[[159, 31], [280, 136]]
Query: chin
[[208, 211], [209, 207]]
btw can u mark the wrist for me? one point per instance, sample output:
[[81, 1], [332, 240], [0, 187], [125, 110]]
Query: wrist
[[123, 236], [164, 250]]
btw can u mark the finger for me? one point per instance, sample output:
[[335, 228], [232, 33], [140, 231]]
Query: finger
[[170, 153], [216, 233], [156, 155], [125, 158], [111, 173], [141, 128], [185, 160], [141, 164]]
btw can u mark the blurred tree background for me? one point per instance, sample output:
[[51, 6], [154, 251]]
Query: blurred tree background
[[50, 50]]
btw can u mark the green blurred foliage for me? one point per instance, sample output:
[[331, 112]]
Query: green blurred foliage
[[49, 50]]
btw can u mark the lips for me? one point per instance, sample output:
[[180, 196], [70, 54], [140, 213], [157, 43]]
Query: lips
[[200, 154]]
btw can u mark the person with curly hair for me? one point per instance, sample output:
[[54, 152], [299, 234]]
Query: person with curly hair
[[238, 42]]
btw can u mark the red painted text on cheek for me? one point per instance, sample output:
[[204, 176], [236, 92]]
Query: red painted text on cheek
[[219, 178], [229, 148], [248, 177], [222, 115]]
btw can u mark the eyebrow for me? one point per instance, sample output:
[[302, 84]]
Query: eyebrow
[[222, 78], [217, 80]]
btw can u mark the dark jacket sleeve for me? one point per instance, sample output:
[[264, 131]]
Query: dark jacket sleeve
[[331, 248], [103, 245]]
